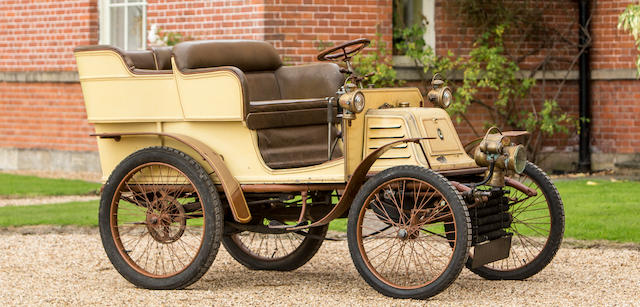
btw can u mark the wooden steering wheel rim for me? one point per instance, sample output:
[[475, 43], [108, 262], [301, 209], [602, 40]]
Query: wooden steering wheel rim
[[327, 54]]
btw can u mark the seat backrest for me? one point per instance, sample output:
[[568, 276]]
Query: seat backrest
[[246, 55], [142, 59], [162, 57], [256, 59], [316, 80]]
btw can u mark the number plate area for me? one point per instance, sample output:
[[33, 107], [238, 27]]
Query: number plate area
[[491, 251]]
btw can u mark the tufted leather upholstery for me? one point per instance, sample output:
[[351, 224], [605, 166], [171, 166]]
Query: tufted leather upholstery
[[286, 104]]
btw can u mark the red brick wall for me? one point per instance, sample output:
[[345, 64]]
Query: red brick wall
[[612, 48], [296, 27], [299, 27], [615, 107], [559, 16], [44, 115], [41, 35], [218, 19]]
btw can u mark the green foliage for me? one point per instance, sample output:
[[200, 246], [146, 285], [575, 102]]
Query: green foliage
[[378, 62], [629, 20], [487, 67], [19, 185], [172, 38], [410, 42], [549, 120]]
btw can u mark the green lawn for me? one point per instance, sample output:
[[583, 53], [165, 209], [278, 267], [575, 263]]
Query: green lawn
[[19, 185], [76, 213], [607, 210]]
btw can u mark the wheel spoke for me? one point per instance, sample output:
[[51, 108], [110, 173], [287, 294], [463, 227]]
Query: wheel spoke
[[150, 224], [405, 245]]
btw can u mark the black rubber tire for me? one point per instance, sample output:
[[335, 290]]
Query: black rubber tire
[[461, 218], [300, 256], [213, 219], [556, 210]]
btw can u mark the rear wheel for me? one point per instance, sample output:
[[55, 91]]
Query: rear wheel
[[537, 228], [397, 237], [160, 219], [276, 252]]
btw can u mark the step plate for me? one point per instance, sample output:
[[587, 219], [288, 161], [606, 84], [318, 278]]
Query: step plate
[[491, 251]]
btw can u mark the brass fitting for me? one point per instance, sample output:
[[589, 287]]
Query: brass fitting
[[497, 149]]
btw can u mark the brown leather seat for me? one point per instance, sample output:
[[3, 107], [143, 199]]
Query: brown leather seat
[[139, 61], [285, 104]]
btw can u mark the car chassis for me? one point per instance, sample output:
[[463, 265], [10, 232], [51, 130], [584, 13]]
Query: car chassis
[[217, 141]]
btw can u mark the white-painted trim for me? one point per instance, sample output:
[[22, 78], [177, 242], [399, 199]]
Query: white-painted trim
[[104, 14], [429, 12]]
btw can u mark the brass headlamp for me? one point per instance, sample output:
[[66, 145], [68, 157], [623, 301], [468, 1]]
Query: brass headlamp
[[497, 148], [440, 95], [352, 103]]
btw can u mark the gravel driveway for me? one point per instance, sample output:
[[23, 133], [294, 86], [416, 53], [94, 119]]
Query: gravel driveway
[[70, 268]]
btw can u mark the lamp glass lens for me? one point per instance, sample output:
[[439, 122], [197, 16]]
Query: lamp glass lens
[[358, 102], [446, 98]]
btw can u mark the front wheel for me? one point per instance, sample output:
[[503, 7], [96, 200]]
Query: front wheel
[[537, 228], [160, 219], [397, 237]]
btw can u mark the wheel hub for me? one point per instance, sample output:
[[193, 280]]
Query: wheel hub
[[166, 220]]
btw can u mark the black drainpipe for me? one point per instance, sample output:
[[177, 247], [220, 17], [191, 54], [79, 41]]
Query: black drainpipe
[[584, 160]]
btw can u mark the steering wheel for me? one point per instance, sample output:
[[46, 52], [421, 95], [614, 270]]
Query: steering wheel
[[343, 52]]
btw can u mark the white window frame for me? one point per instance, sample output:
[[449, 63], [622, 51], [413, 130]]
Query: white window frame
[[429, 12], [104, 8]]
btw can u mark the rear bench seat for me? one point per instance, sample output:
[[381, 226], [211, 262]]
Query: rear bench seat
[[156, 60], [286, 104]]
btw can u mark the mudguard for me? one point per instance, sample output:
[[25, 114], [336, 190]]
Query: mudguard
[[355, 182], [230, 185]]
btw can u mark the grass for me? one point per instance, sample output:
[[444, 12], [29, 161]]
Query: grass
[[605, 211], [75, 213], [26, 186]]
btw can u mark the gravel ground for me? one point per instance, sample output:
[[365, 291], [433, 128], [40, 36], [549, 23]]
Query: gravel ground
[[67, 266]]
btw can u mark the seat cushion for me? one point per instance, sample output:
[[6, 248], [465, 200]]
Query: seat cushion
[[288, 113], [287, 105], [162, 57], [307, 81], [295, 146], [262, 86]]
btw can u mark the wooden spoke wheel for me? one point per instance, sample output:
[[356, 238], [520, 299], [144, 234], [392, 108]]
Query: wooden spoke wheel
[[397, 237], [160, 219], [537, 228], [277, 252]]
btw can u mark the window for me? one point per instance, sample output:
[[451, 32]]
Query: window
[[407, 13], [123, 23]]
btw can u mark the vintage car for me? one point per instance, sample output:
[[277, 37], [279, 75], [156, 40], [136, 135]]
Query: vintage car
[[218, 141]]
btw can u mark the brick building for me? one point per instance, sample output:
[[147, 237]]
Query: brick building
[[42, 119]]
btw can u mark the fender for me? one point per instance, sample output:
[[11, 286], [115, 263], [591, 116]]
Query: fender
[[230, 185], [355, 182]]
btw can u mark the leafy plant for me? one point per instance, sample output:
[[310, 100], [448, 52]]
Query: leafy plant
[[629, 20], [157, 36], [378, 62], [487, 68]]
